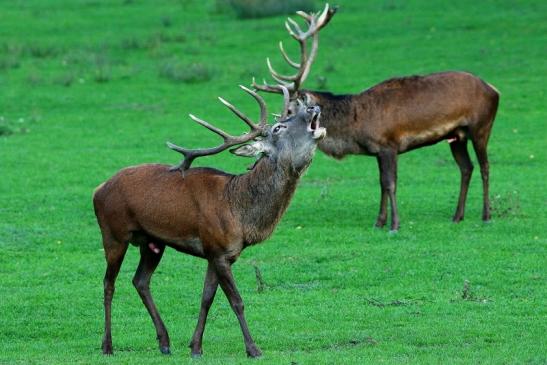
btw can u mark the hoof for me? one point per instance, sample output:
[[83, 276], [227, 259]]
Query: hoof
[[107, 349], [393, 231], [195, 349], [457, 219], [254, 352], [165, 350], [379, 224]]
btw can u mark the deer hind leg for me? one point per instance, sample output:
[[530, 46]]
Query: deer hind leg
[[147, 265], [480, 133], [382, 215], [387, 162], [479, 145], [209, 290], [460, 154], [227, 283], [114, 253]]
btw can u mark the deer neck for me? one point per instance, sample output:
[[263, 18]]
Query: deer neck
[[261, 196], [336, 110]]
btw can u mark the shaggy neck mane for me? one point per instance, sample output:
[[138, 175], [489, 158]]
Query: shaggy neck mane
[[261, 196]]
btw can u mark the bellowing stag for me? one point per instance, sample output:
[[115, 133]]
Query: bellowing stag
[[204, 212], [397, 116]]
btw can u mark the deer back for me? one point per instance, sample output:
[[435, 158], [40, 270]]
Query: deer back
[[402, 113]]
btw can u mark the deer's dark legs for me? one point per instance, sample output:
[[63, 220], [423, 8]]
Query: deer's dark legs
[[114, 254], [460, 154], [228, 285], [480, 149], [147, 265], [382, 215], [209, 291], [387, 163]]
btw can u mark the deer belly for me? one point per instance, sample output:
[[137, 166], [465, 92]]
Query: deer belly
[[191, 246], [427, 136]]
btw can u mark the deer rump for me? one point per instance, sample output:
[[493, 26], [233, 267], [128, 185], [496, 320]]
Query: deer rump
[[149, 215]]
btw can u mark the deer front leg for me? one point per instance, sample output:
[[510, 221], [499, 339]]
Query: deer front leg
[[387, 161], [227, 283], [209, 290]]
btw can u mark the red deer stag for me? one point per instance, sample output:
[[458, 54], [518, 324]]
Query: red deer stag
[[396, 116], [204, 212]]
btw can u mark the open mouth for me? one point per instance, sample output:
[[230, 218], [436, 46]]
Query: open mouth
[[313, 126]]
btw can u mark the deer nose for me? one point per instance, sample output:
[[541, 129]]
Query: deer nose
[[313, 109]]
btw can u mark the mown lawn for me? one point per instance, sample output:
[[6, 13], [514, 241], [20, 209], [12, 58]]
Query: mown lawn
[[88, 87]]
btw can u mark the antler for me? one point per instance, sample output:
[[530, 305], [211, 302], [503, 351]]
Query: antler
[[293, 82], [229, 141], [286, 104]]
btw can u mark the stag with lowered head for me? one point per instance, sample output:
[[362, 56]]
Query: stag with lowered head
[[396, 116], [204, 212]]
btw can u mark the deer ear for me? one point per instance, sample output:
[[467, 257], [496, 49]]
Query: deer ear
[[249, 150]]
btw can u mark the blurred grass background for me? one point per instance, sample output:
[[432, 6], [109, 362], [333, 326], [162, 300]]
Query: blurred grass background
[[88, 87]]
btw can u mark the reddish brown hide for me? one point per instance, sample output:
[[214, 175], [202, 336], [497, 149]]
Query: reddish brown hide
[[203, 212], [406, 113], [396, 116]]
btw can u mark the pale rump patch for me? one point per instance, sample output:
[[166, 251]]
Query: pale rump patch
[[153, 247]]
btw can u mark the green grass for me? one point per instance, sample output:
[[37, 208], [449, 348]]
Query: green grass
[[81, 94]]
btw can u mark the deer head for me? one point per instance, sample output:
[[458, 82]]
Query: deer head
[[290, 142]]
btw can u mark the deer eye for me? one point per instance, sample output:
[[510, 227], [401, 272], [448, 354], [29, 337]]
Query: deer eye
[[278, 128]]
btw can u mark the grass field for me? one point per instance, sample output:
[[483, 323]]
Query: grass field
[[88, 87]]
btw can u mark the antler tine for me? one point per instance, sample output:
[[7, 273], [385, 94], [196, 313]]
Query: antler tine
[[286, 57], [277, 76], [298, 32], [263, 108], [305, 15], [326, 16], [280, 81], [315, 23], [305, 68], [286, 102], [229, 140], [272, 88], [238, 113], [290, 30], [212, 128]]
